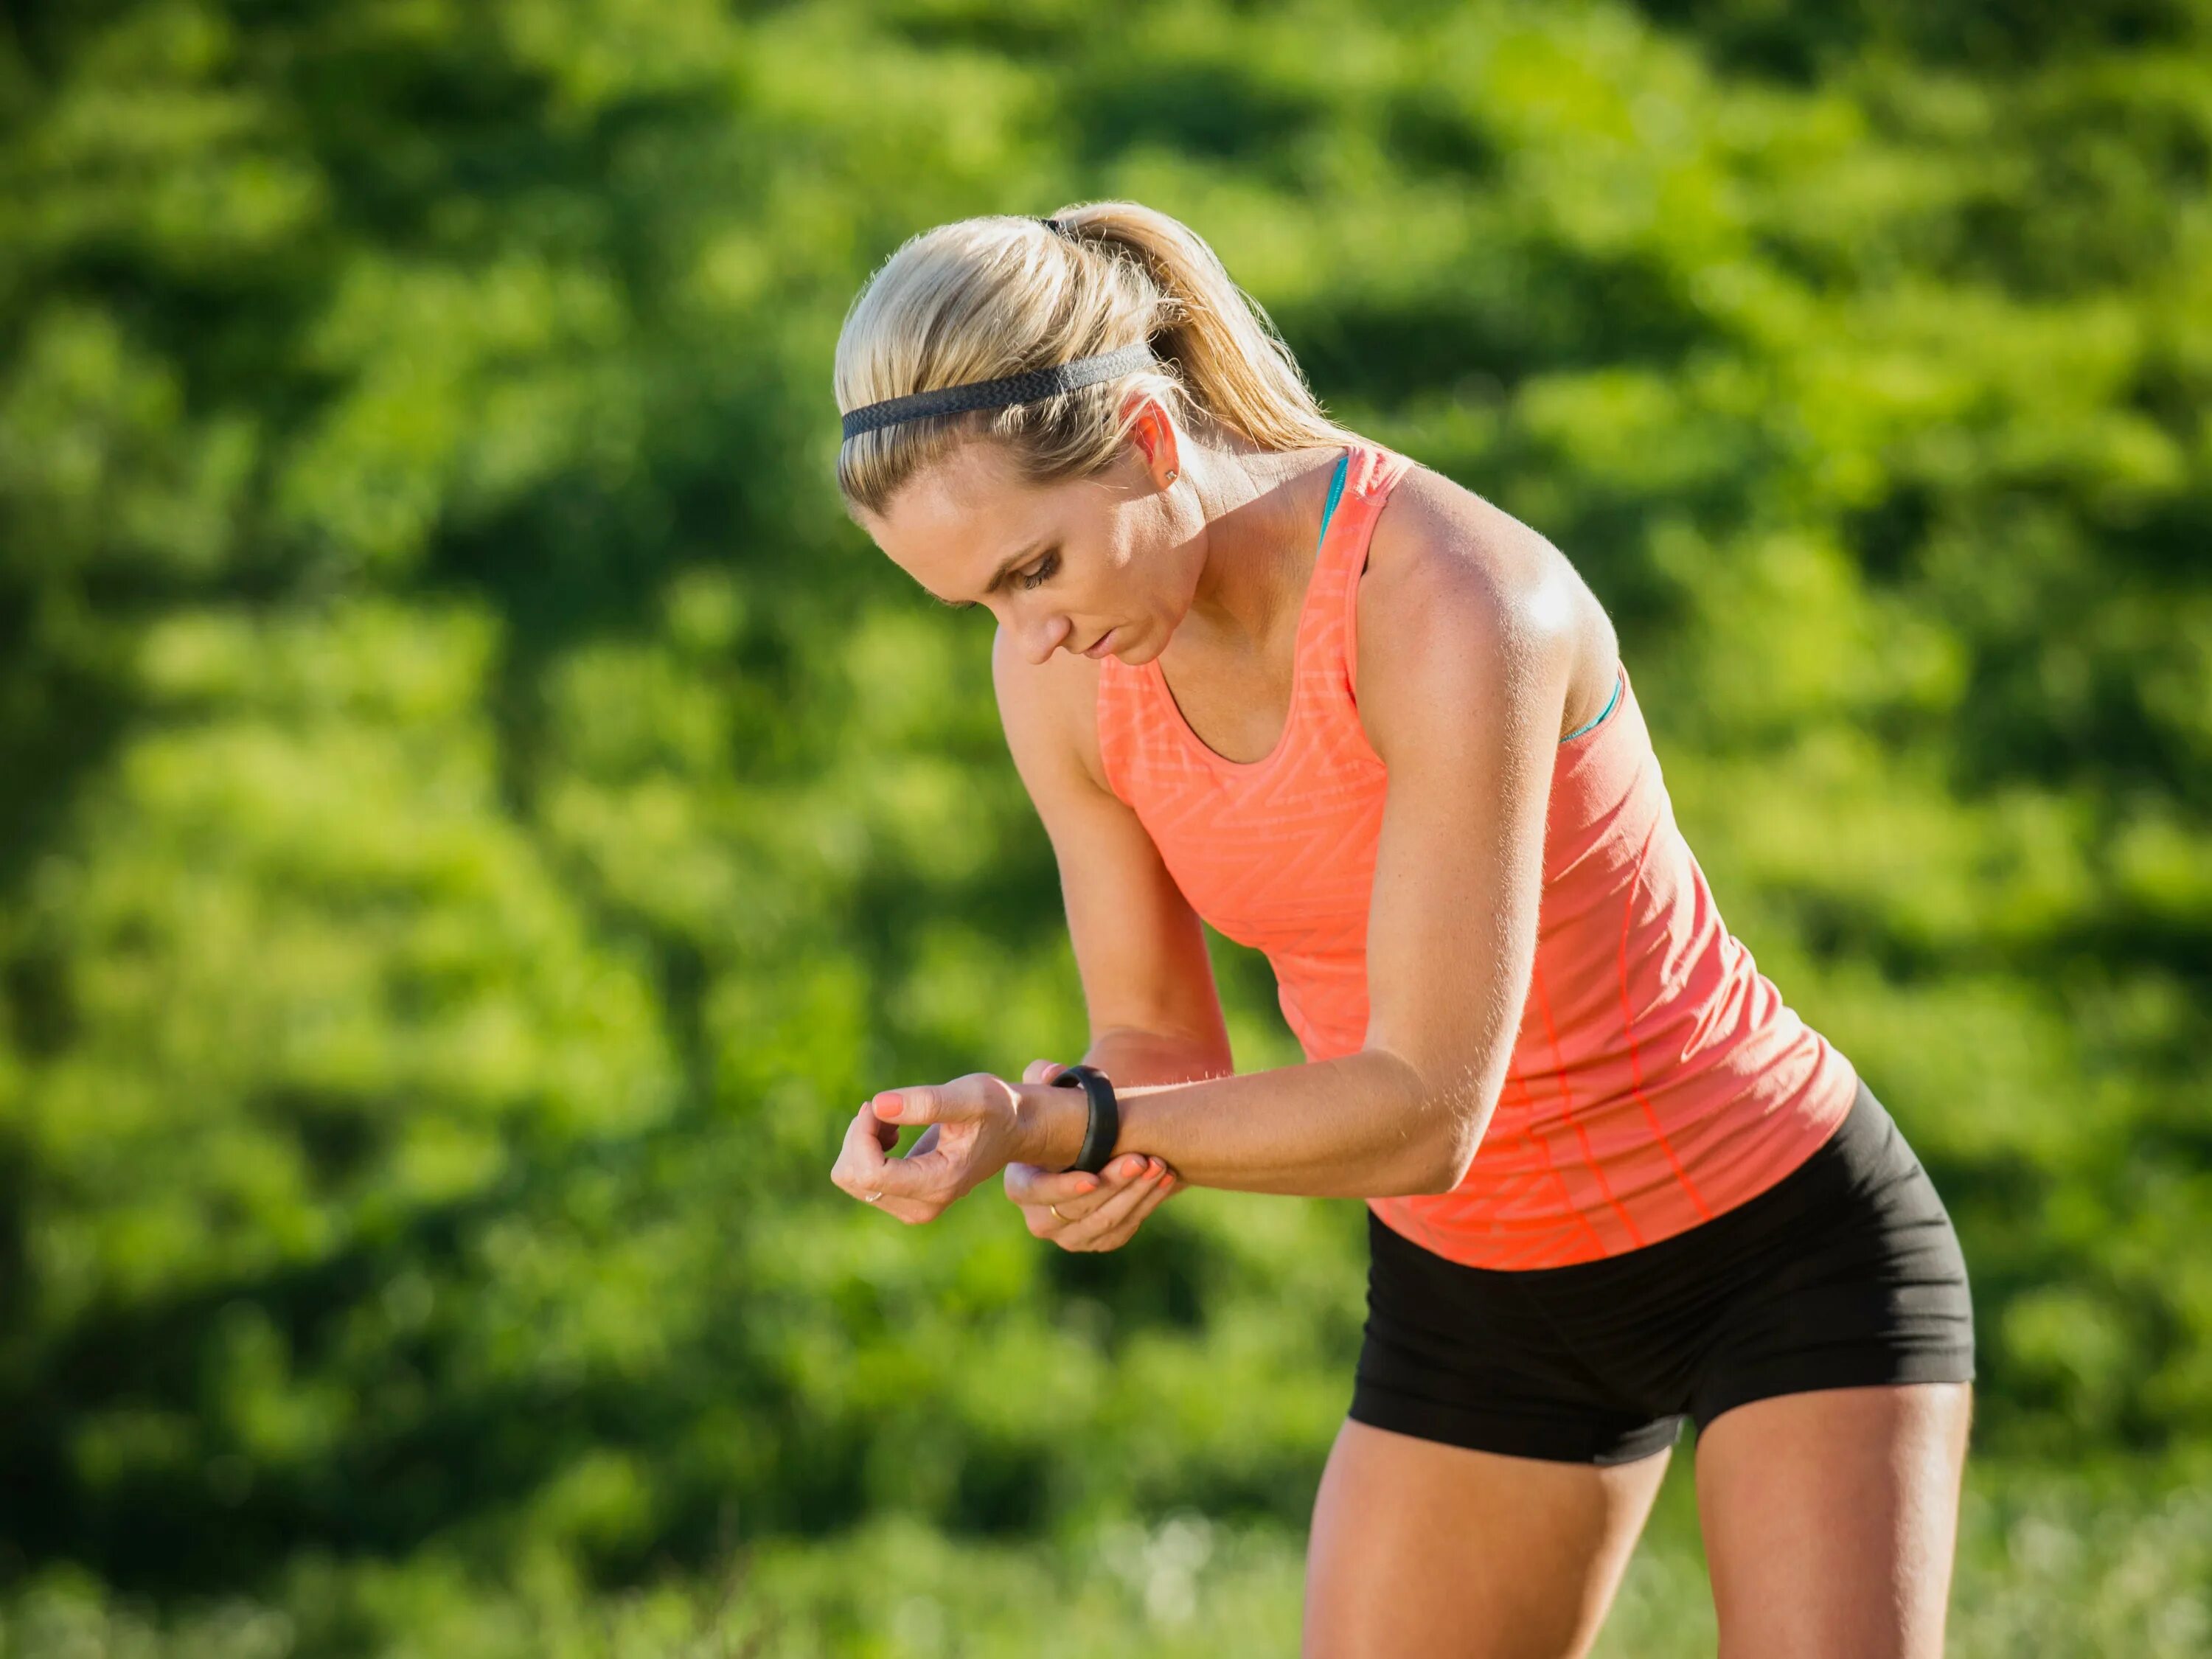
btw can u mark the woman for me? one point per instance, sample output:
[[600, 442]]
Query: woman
[[1612, 1180]]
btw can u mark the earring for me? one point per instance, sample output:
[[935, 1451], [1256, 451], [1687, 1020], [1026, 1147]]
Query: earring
[[1173, 475]]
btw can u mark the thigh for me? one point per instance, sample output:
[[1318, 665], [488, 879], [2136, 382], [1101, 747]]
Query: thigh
[[1864, 1283], [1829, 1520], [1420, 1547]]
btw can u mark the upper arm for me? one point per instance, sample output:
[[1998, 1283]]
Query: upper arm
[[1483, 622], [1139, 946]]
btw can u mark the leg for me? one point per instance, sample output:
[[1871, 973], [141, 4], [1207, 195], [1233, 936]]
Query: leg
[[1829, 1519], [1420, 1547]]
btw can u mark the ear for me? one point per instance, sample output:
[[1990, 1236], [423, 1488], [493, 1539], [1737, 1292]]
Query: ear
[[1153, 432]]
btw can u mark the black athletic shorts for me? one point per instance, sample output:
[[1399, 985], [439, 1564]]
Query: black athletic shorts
[[1845, 1272]]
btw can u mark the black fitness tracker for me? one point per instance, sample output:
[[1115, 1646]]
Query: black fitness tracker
[[1105, 1126]]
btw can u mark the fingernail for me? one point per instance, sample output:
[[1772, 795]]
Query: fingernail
[[1155, 1169], [1088, 1187], [890, 1109]]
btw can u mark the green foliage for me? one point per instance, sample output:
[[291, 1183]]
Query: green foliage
[[482, 817], [2072, 1565]]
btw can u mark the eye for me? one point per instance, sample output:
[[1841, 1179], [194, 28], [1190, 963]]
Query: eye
[[1041, 572]]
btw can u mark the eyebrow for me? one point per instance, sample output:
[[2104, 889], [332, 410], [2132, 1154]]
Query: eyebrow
[[999, 577]]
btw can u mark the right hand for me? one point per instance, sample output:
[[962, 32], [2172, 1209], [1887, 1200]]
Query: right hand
[[1099, 1212]]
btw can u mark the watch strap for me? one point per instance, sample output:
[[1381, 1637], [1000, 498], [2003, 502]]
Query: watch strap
[[1104, 1128]]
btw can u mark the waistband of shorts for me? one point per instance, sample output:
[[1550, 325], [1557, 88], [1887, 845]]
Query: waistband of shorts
[[1865, 1134]]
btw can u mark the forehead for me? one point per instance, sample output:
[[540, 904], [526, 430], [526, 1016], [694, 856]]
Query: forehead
[[950, 524]]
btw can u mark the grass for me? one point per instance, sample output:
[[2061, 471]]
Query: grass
[[2052, 1564]]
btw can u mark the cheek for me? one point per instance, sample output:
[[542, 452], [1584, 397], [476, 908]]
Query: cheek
[[1172, 582], [1136, 593], [1147, 574]]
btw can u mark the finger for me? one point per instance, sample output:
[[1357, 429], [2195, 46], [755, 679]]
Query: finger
[[1041, 1071], [912, 1211], [1075, 1201], [930, 1103], [863, 1170], [1158, 1194], [926, 1174], [1048, 1218], [1127, 1228], [862, 1156], [1104, 1216], [1032, 1184], [1104, 1227], [1163, 1189], [1038, 1185], [933, 1175]]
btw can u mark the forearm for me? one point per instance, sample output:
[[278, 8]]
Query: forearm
[[1136, 1059], [1364, 1126]]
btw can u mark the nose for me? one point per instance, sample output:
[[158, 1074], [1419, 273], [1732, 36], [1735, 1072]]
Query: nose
[[1043, 636]]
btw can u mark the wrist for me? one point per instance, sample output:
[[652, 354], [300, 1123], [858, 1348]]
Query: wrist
[[1051, 1124]]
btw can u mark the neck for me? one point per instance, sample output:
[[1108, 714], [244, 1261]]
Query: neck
[[1263, 512]]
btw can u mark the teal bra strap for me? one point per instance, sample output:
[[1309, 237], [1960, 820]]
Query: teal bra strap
[[1601, 713], [1335, 489]]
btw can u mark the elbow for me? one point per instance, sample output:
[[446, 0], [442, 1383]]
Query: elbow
[[1458, 1118], [1452, 1119], [1428, 1170], [1453, 1157], [1438, 1161]]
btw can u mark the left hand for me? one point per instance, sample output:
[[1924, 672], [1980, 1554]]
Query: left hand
[[977, 1126]]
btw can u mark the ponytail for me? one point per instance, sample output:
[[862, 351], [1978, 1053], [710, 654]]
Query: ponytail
[[995, 296], [1234, 365]]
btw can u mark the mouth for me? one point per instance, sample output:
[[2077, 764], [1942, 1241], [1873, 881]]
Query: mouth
[[1097, 647]]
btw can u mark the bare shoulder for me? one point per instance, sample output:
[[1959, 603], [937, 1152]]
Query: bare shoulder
[[1438, 543], [1460, 598], [1050, 710]]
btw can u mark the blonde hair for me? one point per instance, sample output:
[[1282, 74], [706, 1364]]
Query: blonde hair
[[981, 298]]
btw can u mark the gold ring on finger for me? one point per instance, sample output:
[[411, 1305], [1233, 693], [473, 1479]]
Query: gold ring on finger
[[1056, 1215]]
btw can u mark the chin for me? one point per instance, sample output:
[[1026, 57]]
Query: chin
[[1142, 653]]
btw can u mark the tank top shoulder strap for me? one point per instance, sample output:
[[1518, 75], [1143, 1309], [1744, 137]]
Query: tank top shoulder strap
[[1370, 474], [1142, 742]]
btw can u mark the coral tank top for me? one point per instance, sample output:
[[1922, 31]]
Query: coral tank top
[[1657, 1078]]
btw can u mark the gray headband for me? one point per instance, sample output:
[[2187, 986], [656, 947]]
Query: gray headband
[[999, 393]]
